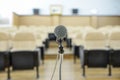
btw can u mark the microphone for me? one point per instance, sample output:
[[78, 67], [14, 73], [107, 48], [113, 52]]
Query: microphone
[[60, 32]]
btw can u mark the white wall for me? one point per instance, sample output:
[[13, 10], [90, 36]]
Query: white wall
[[103, 7]]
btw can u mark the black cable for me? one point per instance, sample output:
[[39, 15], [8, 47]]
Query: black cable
[[55, 67]]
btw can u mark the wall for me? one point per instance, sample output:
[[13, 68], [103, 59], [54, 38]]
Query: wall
[[86, 7]]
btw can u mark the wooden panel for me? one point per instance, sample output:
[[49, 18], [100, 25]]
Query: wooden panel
[[15, 19], [108, 20], [94, 21], [75, 20], [35, 20], [55, 20]]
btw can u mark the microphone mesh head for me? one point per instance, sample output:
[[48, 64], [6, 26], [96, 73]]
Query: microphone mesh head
[[60, 32]]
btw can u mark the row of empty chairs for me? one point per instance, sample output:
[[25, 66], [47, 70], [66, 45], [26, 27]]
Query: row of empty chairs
[[39, 36], [92, 40], [99, 38], [99, 50], [42, 31], [81, 34]]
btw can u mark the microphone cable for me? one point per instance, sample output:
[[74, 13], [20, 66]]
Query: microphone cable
[[55, 67]]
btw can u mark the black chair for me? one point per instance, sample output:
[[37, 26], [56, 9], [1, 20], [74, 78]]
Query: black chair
[[51, 37], [76, 51], [46, 43], [95, 59], [42, 51], [114, 44], [25, 60], [114, 59], [5, 62], [4, 53], [96, 54], [24, 55], [69, 42], [2, 61]]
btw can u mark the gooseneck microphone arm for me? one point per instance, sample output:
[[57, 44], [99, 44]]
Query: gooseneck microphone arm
[[61, 51]]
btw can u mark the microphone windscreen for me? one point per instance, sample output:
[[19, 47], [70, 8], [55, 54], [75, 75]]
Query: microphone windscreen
[[60, 32]]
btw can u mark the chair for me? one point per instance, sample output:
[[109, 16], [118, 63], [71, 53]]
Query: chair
[[24, 55], [77, 42], [114, 44], [51, 37], [40, 45], [96, 55], [4, 52]]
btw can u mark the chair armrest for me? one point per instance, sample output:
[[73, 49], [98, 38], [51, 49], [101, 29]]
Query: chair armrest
[[82, 54]]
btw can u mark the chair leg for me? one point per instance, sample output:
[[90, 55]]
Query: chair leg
[[43, 58], [84, 70], [74, 59], [37, 72], [8, 74], [8, 67], [109, 70], [42, 54]]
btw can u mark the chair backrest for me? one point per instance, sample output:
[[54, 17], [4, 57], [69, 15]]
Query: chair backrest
[[95, 40], [114, 40], [114, 43], [4, 41], [78, 40], [24, 41], [52, 36], [39, 39]]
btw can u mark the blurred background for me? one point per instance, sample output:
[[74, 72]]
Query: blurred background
[[28, 47]]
